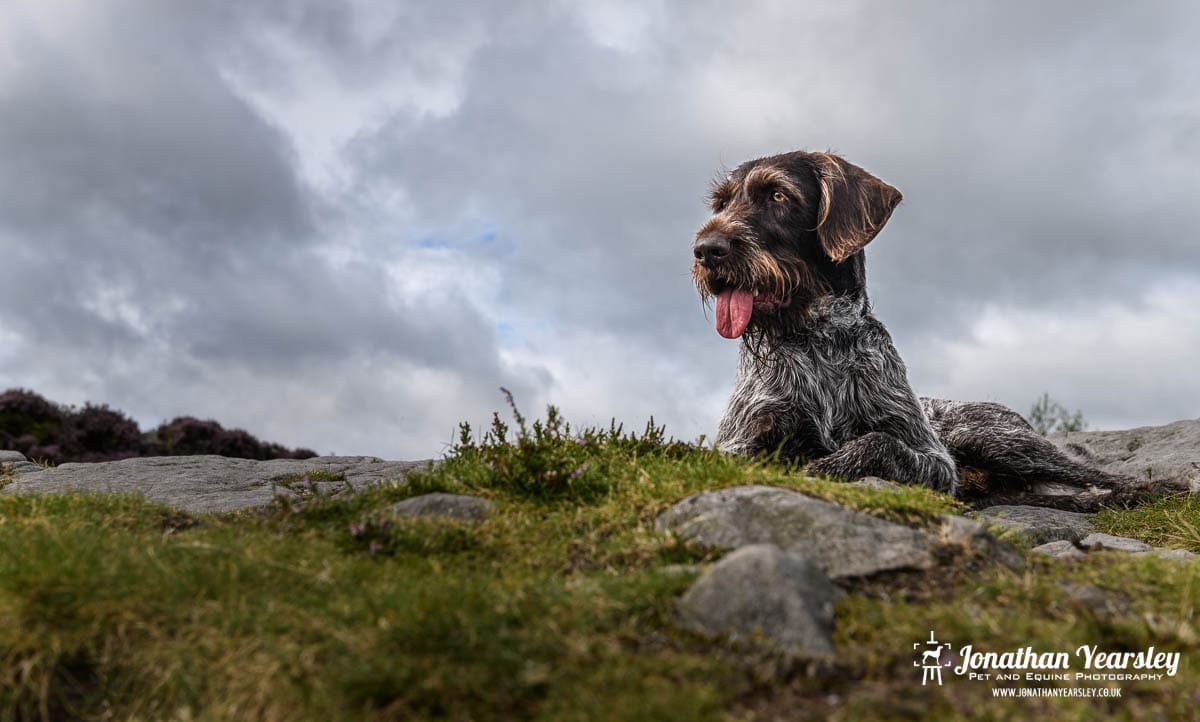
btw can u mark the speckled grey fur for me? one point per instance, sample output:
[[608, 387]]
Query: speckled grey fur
[[819, 379], [835, 392]]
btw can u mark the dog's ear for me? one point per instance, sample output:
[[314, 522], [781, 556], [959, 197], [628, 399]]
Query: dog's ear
[[854, 206]]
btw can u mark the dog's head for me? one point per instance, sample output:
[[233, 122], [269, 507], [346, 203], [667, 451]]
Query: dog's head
[[786, 230]]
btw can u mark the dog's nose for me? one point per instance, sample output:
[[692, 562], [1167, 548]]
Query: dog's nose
[[711, 249]]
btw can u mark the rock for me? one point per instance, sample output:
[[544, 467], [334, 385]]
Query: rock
[[457, 506], [1097, 542], [761, 592], [201, 484], [14, 462], [1170, 452], [841, 542], [1114, 543], [1177, 554], [874, 482], [1093, 598], [1035, 525], [1062, 549], [974, 536]]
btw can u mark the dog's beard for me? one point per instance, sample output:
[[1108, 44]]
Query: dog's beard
[[761, 299]]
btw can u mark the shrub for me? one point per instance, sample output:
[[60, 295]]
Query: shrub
[[544, 460], [189, 435], [1047, 415], [101, 433], [45, 431]]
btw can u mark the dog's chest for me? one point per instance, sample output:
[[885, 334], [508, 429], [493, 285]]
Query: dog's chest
[[819, 381]]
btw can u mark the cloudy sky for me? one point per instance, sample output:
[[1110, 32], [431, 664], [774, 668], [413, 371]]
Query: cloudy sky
[[345, 225]]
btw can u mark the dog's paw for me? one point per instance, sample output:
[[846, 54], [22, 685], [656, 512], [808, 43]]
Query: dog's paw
[[829, 467]]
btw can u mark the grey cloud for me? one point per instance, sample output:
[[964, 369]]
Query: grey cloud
[[156, 236]]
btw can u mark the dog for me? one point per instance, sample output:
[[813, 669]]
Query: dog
[[819, 380]]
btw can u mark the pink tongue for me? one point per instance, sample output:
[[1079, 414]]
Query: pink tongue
[[734, 307]]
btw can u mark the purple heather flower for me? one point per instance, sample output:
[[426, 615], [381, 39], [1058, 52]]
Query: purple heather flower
[[584, 467]]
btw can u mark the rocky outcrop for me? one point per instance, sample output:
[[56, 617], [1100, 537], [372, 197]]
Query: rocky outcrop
[[203, 484], [1168, 452], [788, 549], [1034, 525], [13, 462]]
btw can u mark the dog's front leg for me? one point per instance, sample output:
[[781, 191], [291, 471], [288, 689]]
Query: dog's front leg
[[881, 454], [748, 429]]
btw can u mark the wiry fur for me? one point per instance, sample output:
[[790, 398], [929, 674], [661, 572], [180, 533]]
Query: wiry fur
[[819, 379]]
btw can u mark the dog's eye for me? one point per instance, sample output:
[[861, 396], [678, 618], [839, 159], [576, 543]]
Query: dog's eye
[[779, 197]]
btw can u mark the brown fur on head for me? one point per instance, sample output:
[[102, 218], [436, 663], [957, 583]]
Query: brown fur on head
[[789, 228], [854, 206]]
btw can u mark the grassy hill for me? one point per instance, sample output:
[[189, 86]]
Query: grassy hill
[[558, 607]]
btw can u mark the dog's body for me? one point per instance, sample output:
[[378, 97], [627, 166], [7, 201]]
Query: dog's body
[[819, 379]]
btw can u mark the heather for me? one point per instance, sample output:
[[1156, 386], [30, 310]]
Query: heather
[[54, 433]]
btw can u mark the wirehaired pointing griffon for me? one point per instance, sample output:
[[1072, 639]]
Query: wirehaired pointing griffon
[[819, 380]]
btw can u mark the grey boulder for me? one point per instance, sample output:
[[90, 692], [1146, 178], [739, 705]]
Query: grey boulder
[[761, 593], [1036, 525], [1169, 452], [974, 537], [203, 484], [1115, 543], [842, 543], [14, 462], [456, 506], [1061, 549]]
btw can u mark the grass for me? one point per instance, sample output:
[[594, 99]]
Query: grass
[[310, 476], [558, 607], [1172, 522]]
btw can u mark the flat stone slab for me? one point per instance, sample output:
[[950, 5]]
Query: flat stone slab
[[205, 484], [14, 462], [1182, 555], [1036, 525], [1061, 549], [1170, 451], [456, 506], [1114, 543], [1107, 542], [759, 593], [842, 543]]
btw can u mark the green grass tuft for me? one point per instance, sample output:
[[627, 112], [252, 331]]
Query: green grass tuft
[[1171, 522]]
